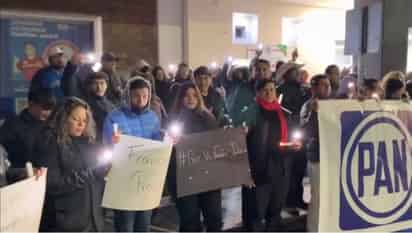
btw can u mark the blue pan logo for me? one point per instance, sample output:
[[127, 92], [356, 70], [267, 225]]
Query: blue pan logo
[[376, 172]]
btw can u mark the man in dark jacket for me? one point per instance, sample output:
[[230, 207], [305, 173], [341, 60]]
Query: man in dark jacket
[[212, 99], [51, 76], [114, 87], [294, 96], [8, 174], [74, 77], [320, 87], [17, 134], [100, 105]]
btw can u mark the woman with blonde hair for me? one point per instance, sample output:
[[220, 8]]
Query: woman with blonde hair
[[75, 175]]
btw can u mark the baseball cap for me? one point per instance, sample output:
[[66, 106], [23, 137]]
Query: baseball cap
[[56, 51]]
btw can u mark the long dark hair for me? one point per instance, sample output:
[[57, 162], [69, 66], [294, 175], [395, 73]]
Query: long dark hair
[[59, 117], [156, 69], [178, 103]]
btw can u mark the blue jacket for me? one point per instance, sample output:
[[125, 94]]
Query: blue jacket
[[144, 124], [48, 77]]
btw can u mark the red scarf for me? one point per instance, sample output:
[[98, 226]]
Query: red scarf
[[275, 107]]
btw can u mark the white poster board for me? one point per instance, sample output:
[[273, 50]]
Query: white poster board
[[137, 177], [365, 166], [21, 205]]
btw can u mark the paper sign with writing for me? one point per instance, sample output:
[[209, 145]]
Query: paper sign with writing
[[21, 205], [137, 177], [210, 161]]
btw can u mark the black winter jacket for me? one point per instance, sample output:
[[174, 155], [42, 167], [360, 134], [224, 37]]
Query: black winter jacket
[[74, 184], [73, 80], [17, 135], [294, 96], [100, 106], [263, 142]]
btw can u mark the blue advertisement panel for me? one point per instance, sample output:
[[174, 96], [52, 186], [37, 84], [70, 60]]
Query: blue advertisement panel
[[25, 44]]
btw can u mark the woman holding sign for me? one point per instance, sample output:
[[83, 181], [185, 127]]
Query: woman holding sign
[[190, 113], [267, 143], [74, 177]]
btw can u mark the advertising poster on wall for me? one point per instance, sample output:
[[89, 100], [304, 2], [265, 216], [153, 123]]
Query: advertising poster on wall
[[26, 42]]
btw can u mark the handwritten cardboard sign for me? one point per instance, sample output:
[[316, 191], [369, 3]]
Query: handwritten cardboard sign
[[138, 174], [210, 161]]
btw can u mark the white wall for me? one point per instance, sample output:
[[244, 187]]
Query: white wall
[[317, 36], [209, 29], [200, 31], [170, 31]]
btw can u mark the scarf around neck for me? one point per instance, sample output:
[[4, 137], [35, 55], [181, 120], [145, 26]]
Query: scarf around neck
[[275, 107]]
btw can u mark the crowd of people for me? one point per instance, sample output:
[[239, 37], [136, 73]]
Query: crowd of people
[[72, 109]]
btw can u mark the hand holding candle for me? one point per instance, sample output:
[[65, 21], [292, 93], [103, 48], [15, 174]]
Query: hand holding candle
[[295, 144], [106, 157], [174, 133], [376, 96], [116, 134]]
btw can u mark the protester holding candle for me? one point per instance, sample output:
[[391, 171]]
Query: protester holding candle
[[295, 94], [18, 133], [134, 118], [75, 177], [267, 143], [190, 112]]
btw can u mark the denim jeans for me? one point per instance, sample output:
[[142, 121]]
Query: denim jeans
[[132, 221]]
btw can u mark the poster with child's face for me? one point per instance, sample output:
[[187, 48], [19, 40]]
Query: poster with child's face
[[26, 45]]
